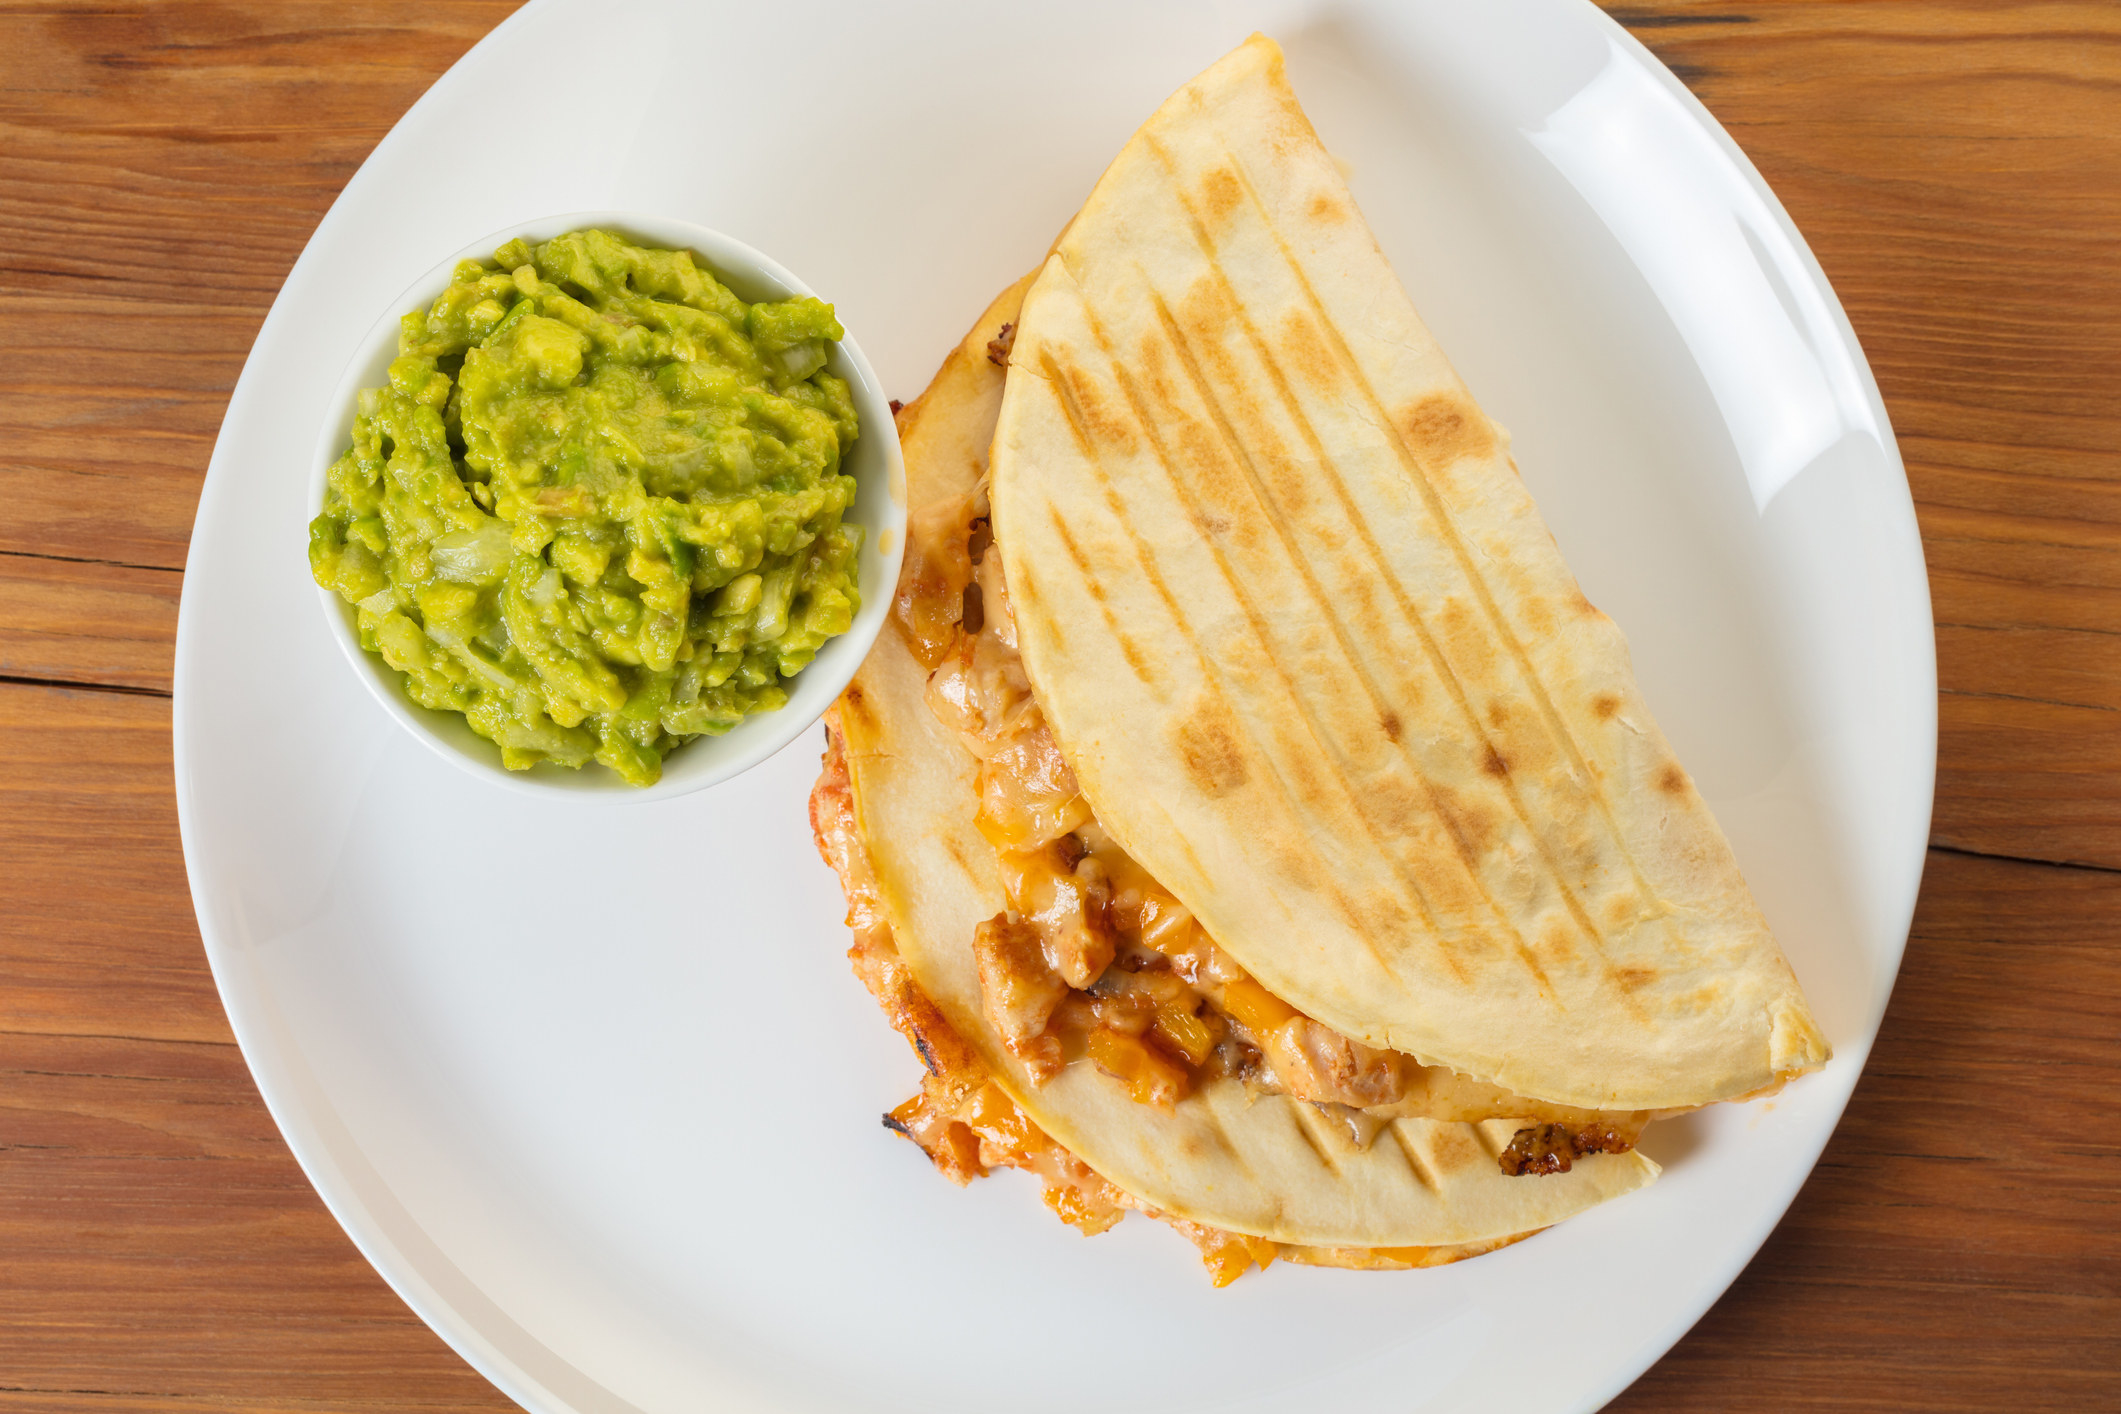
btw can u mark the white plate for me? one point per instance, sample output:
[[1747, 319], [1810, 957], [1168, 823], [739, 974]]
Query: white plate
[[594, 1089]]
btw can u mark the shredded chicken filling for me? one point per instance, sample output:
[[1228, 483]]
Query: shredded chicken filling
[[1093, 958]]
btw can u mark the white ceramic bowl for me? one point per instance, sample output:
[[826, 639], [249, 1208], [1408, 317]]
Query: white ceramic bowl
[[879, 509]]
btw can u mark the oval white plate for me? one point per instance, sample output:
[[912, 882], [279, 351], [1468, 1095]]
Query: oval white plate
[[595, 1090]]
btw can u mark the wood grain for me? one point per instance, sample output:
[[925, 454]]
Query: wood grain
[[99, 938], [1956, 165]]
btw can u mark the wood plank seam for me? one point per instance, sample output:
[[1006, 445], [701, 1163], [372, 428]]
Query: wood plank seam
[[2025, 697], [1659, 19], [2023, 859], [88, 560], [76, 685]]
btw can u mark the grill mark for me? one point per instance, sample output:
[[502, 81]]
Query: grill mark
[[1155, 440], [1488, 1141], [1310, 1137], [854, 704], [1128, 648], [957, 856], [1556, 726], [1241, 456], [1212, 1115], [1413, 1157], [1073, 414]]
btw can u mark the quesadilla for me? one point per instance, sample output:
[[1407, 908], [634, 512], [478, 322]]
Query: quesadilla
[[1249, 819], [1313, 661], [1246, 1172]]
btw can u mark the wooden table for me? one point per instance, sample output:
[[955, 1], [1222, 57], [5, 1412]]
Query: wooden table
[[1957, 167]]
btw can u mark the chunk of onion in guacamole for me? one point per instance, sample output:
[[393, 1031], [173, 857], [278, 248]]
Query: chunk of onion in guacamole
[[597, 506]]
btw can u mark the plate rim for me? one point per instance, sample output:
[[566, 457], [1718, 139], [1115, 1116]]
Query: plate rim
[[316, 1163], [1768, 1217]]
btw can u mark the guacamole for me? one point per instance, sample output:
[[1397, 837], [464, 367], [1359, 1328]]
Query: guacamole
[[597, 507]]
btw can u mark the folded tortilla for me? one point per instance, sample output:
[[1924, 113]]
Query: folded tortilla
[[1318, 664], [1271, 1167]]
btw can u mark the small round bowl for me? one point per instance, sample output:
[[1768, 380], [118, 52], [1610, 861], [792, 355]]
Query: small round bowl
[[879, 509]]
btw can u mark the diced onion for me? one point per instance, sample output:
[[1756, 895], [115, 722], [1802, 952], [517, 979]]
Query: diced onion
[[472, 556]]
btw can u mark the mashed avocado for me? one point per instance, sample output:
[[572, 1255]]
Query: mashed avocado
[[597, 507]]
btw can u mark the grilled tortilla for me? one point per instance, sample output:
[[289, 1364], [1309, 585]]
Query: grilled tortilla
[[1318, 665], [921, 880]]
